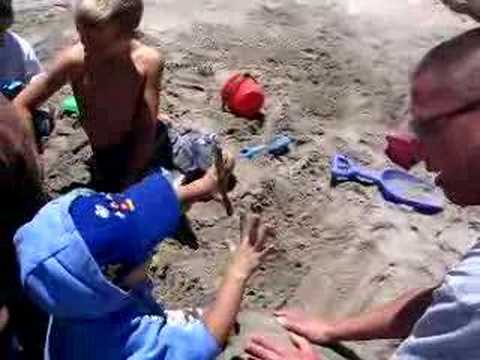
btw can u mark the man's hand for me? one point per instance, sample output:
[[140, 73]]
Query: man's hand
[[251, 250], [4, 316], [297, 321], [260, 348]]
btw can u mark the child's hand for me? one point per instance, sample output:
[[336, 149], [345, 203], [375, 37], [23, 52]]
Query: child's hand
[[252, 249]]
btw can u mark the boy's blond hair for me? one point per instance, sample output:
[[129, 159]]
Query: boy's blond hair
[[126, 13]]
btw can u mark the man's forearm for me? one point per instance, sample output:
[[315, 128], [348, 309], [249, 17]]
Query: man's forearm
[[222, 314], [392, 320]]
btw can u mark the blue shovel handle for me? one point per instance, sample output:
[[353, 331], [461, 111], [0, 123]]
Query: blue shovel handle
[[251, 152], [279, 145], [344, 169]]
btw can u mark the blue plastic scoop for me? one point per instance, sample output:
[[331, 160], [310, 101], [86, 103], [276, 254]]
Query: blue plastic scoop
[[396, 186], [278, 146]]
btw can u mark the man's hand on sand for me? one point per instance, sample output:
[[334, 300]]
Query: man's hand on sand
[[252, 249], [299, 322], [261, 348]]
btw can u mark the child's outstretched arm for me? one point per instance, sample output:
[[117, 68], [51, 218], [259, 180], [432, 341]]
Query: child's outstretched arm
[[44, 86], [221, 316]]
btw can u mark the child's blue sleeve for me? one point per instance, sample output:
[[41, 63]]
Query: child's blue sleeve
[[124, 228], [192, 341]]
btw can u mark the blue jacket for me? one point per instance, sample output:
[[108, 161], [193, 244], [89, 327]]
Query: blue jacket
[[91, 318]]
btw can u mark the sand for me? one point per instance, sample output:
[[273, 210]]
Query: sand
[[336, 74], [469, 7]]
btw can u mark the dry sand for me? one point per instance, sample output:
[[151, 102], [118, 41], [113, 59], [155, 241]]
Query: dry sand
[[336, 72]]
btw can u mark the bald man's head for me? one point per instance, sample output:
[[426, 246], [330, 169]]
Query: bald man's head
[[445, 108], [448, 77]]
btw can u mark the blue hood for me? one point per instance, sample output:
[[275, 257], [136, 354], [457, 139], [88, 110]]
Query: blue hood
[[92, 318], [57, 269]]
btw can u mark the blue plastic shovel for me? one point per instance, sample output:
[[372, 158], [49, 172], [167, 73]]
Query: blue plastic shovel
[[279, 145], [396, 186]]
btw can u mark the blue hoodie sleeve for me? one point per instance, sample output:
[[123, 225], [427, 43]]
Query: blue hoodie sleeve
[[193, 341], [184, 339]]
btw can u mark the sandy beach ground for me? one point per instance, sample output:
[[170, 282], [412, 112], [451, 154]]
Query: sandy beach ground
[[336, 74]]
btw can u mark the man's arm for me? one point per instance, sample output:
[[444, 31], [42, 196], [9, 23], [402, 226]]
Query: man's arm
[[44, 86], [389, 321], [392, 320], [144, 126]]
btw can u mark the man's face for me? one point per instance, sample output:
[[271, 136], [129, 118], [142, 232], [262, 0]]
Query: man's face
[[448, 131]]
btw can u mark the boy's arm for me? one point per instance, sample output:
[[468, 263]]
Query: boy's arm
[[144, 131], [389, 321], [221, 316], [44, 86]]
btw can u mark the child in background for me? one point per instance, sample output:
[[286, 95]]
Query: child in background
[[18, 66], [82, 258], [17, 58]]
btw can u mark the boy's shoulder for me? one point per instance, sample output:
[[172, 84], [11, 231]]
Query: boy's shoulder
[[149, 59], [71, 58], [73, 54]]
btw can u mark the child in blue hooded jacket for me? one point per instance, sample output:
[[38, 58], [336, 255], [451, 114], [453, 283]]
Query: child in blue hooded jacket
[[79, 259]]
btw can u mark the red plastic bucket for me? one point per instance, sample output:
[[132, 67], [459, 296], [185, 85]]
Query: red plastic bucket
[[403, 150], [243, 96]]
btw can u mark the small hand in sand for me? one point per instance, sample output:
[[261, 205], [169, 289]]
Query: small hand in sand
[[299, 322], [260, 348], [252, 249]]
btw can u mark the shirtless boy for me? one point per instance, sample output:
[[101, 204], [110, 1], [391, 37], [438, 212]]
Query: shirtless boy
[[115, 80]]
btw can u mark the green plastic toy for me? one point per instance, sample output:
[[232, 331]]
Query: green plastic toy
[[70, 107]]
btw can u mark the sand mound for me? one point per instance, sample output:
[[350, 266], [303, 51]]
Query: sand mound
[[337, 77]]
